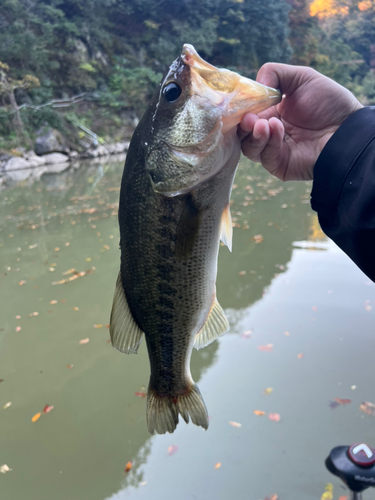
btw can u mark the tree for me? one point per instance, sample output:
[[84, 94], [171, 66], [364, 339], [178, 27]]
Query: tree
[[8, 86]]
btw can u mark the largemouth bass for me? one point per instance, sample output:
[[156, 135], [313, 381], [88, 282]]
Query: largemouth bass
[[174, 209]]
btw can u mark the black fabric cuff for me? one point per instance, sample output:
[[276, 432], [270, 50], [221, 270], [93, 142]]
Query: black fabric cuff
[[338, 158]]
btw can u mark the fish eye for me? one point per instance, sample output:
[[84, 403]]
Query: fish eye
[[172, 92]]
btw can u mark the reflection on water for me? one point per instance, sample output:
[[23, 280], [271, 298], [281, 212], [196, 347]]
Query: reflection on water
[[284, 287]]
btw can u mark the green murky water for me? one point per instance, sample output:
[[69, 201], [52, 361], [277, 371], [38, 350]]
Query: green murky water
[[302, 323]]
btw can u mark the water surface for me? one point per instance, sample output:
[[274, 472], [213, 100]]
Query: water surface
[[302, 323]]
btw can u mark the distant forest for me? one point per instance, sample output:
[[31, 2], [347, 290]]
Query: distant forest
[[102, 59]]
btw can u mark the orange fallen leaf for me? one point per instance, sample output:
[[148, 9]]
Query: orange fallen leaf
[[70, 366], [128, 466], [300, 355], [265, 348], [141, 394], [18, 328], [242, 273], [172, 450], [343, 498], [258, 238], [218, 465], [53, 302], [47, 408], [272, 497], [368, 408], [57, 249], [36, 417], [22, 282], [84, 341], [343, 401], [275, 417], [259, 413], [235, 424]]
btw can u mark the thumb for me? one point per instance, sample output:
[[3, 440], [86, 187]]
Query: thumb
[[285, 77]]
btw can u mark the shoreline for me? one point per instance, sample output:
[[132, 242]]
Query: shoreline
[[30, 166]]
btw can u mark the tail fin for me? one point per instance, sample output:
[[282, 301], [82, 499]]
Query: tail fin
[[162, 412]]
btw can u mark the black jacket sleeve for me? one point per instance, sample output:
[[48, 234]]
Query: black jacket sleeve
[[343, 191]]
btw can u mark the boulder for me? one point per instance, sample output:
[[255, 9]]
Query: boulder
[[54, 158], [33, 158], [17, 169], [50, 140]]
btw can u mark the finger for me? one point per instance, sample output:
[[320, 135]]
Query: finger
[[285, 77], [247, 125], [255, 142], [275, 154]]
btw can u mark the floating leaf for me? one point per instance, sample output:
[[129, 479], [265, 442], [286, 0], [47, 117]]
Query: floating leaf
[[272, 497], [57, 249], [7, 405], [172, 450], [18, 316], [22, 282], [98, 326], [368, 408], [246, 335], [259, 413], [258, 238], [36, 417], [265, 348], [84, 341], [242, 273], [343, 498], [75, 308], [4, 469], [235, 424], [275, 417], [70, 366], [300, 355], [141, 394], [128, 466], [53, 302], [314, 308], [47, 408], [343, 401], [18, 328], [33, 314], [268, 390], [328, 493], [218, 465], [287, 334]]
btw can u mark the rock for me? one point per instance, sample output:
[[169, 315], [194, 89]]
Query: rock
[[17, 169], [33, 158], [50, 140], [102, 151], [73, 154], [55, 158]]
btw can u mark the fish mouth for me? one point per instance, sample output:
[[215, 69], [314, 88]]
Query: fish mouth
[[234, 94]]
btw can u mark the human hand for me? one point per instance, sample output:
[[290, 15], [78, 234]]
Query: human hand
[[288, 138]]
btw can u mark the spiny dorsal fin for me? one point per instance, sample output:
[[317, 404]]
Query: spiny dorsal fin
[[215, 326], [226, 228], [125, 333]]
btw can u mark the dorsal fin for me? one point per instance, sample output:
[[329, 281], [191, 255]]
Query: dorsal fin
[[216, 325], [226, 228], [125, 333]]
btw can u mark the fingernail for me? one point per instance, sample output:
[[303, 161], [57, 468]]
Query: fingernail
[[256, 135]]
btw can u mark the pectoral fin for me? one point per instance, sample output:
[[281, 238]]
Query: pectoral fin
[[125, 333], [215, 326], [226, 228]]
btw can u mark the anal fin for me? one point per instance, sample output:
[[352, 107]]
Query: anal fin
[[124, 331], [226, 228], [215, 326]]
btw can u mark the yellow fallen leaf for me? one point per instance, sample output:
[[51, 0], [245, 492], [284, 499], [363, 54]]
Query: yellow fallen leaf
[[259, 413], [98, 326], [7, 405], [218, 465], [36, 417], [75, 308], [4, 469], [235, 424], [328, 494], [268, 390]]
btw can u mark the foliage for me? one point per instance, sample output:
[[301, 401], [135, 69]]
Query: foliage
[[116, 50]]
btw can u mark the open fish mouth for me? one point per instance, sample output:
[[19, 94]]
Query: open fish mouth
[[232, 93]]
